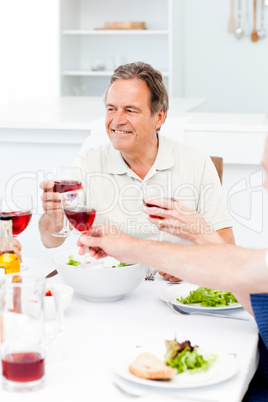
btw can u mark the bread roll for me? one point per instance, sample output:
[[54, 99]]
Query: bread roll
[[148, 366]]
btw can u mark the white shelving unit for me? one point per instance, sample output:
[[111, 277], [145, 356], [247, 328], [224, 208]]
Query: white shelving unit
[[88, 55]]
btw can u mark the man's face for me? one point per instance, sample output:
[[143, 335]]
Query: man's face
[[129, 123], [265, 163]]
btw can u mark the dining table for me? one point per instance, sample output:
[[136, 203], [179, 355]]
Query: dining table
[[81, 361]]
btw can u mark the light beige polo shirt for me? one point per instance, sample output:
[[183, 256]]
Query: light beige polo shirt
[[182, 171]]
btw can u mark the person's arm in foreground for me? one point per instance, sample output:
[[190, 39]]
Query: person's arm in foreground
[[225, 266], [52, 220]]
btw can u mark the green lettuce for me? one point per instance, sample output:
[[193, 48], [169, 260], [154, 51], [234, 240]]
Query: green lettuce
[[121, 264], [73, 262], [208, 297], [184, 356]]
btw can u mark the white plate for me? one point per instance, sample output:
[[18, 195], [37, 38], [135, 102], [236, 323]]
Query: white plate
[[225, 367], [170, 293]]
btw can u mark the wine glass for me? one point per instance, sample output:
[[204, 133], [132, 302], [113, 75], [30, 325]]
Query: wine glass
[[66, 179], [151, 193], [80, 209], [19, 207]]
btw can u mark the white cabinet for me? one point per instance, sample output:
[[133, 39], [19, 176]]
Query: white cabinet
[[88, 55]]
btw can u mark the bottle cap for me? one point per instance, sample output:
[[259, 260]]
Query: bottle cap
[[5, 217]]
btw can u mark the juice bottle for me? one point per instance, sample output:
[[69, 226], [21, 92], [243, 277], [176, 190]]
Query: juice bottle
[[9, 262]]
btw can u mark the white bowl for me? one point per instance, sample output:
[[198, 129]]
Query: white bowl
[[100, 282], [64, 295]]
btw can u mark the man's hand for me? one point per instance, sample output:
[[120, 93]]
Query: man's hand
[[52, 220], [105, 240], [181, 221], [51, 201], [168, 277]]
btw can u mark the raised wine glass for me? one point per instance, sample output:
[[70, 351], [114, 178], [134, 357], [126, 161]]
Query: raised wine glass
[[80, 209], [66, 178], [154, 192], [19, 207]]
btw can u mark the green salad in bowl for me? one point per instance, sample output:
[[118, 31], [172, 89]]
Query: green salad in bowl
[[103, 280]]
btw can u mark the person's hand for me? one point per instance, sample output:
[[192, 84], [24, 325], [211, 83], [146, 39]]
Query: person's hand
[[51, 202], [16, 246], [181, 221], [168, 277], [105, 240]]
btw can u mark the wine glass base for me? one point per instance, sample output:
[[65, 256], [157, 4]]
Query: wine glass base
[[23, 267], [61, 234], [23, 386]]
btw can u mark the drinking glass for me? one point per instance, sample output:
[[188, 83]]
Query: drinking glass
[[19, 207], [80, 209], [23, 332], [151, 193], [66, 179]]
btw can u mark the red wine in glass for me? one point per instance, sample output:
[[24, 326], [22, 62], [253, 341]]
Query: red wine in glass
[[23, 367], [81, 218], [62, 186], [151, 206], [20, 220]]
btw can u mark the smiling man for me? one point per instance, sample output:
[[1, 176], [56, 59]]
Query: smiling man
[[136, 104]]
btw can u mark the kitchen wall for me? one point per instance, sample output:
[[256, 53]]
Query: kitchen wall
[[231, 73], [28, 49]]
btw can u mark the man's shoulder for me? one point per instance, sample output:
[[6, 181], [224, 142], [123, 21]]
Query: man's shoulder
[[94, 158], [184, 150]]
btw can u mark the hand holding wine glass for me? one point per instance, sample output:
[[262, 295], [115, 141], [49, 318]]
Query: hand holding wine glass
[[19, 207], [152, 195], [80, 209]]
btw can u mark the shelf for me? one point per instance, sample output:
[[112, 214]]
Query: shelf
[[84, 41], [115, 32], [106, 73]]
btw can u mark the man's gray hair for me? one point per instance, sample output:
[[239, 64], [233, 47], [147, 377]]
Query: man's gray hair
[[153, 79]]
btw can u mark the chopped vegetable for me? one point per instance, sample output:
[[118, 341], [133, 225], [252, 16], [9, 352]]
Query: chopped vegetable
[[184, 356], [48, 293], [208, 297], [72, 261], [121, 264]]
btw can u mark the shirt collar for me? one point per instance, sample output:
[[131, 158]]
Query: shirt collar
[[116, 163], [164, 158]]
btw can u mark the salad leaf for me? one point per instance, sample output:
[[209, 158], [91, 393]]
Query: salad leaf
[[208, 297], [121, 264], [73, 262], [184, 356]]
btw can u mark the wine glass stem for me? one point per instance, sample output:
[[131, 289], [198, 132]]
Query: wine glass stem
[[160, 235], [65, 224]]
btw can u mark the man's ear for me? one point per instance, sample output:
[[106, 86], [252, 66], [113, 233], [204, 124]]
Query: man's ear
[[160, 118]]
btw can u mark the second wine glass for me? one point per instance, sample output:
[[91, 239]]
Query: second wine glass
[[80, 209]]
